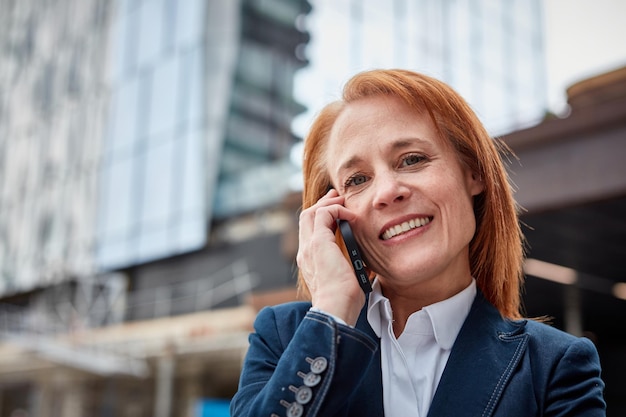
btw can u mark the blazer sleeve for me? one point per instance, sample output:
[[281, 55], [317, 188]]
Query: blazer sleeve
[[576, 388], [299, 367]]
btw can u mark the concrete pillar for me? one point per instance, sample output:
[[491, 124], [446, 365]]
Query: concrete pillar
[[166, 367], [191, 392], [73, 399], [41, 405]]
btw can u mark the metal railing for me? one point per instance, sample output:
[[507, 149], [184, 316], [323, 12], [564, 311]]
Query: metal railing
[[231, 282]]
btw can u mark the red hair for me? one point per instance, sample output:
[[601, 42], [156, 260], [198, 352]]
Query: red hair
[[496, 250]]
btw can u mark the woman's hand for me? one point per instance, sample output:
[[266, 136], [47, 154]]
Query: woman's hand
[[327, 273]]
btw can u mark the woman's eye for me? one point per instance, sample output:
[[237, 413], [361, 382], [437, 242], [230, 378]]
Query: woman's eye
[[356, 180], [412, 160]]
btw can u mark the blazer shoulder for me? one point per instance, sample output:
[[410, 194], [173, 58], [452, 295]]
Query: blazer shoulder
[[288, 310], [539, 330], [283, 316], [545, 339]]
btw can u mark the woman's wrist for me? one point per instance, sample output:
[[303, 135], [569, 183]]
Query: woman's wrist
[[343, 312]]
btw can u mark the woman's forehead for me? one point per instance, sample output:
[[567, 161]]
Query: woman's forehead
[[378, 116], [378, 127]]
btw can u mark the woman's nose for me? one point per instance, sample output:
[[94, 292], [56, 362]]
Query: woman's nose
[[388, 190]]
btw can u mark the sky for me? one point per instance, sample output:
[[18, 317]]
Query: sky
[[583, 38]]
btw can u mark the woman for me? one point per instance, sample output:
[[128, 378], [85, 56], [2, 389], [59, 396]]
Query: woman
[[418, 178]]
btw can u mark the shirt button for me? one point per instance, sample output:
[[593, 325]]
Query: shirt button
[[304, 395], [318, 365]]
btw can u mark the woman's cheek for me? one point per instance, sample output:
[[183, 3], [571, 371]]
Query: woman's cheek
[[355, 202]]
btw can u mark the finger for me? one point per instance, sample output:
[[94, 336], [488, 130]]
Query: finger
[[307, 216], [317, 231], [326, 217]]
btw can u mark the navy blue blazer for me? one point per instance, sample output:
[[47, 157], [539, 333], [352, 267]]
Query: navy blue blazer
[[302, 363]]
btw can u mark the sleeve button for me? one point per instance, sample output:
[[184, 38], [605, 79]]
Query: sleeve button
[[295, 410], [318, 365], [304, 395], [310, 379]]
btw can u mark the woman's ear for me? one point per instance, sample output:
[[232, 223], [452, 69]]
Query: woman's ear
[[475, 183]]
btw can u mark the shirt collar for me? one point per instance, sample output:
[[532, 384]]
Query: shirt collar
[[376, 308], [447, 316]]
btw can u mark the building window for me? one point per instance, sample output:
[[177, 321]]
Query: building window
[[152, 201]]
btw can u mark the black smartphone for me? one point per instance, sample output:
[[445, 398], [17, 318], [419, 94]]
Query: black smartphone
[[355, 256]]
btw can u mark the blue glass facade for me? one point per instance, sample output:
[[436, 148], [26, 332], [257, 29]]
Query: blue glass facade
[[199, 123], [152, 192]]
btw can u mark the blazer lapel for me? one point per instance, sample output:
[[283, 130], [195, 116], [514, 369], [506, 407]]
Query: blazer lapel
[[485, 354], [369, 396]]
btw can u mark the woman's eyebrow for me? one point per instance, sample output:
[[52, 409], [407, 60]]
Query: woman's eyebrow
[[402, 143], [398, 144], [349, 163]]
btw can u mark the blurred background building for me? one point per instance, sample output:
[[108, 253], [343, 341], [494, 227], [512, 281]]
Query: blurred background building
[[145, 154], [492, 52], [149, 181]]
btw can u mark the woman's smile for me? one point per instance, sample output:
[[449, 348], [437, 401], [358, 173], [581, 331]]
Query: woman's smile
[[405, 226]]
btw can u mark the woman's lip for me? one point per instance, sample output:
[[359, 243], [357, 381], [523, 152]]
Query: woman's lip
[[402, 225]]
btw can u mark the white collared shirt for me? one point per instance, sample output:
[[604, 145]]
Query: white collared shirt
[[413, 363]]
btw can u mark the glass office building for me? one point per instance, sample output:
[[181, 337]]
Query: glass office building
[[152, 197], [127, 126], [202, 101], [53, 104], [127, 129], [490, 51]]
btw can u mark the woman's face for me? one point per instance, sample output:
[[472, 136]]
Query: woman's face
[[412, 196]]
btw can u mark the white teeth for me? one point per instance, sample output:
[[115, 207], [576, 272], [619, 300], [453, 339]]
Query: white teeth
[[405, 227]]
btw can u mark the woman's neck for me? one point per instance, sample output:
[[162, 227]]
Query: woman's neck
[[407, 300]]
